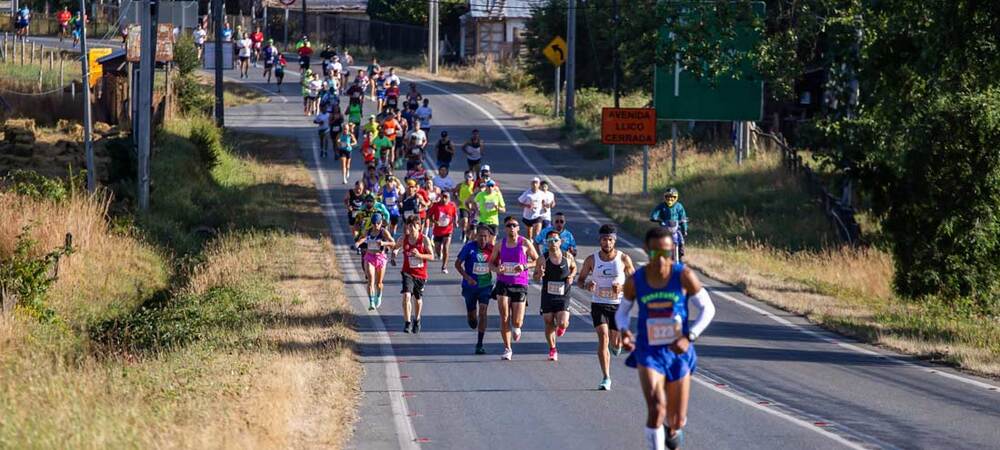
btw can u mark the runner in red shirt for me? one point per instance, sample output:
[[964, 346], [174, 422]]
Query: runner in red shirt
[[257, 38], [443, 215], [417, 253], [63, 18]]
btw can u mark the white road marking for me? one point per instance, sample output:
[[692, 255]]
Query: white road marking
[[405, 432], [732, 299]]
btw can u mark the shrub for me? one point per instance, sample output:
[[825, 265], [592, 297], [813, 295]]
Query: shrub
[[192, 97], [30, 184], [207, 138], [186, 56], [27, 277]]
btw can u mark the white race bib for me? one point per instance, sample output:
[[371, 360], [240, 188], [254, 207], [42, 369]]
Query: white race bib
[[509, 268], [663, 330], [480, 268], [555, 288], [443, 220], [389, 201], [416, 262], [408, 213], [607, 293], [490, 206]]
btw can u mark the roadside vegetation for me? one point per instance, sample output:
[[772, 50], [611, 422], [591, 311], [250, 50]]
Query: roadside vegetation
[[17, 77], [217, 319]]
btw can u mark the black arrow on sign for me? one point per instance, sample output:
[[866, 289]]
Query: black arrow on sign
[[557, 48]]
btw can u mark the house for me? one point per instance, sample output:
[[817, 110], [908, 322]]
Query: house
[[357, 9], [494, 28]]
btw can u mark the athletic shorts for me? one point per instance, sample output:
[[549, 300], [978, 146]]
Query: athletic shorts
[[463, 213], [603, 314], [323, 133], [515, 292], [413, 285], [441, 239], [546, 223], [244, 58], [473, 295], [375, 259], [554, 305], [673, 366], [343, 153], [531, 222], [473, 163], [268, 65], [394, 218]]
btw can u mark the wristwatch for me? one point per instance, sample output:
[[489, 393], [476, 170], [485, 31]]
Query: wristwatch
[[692, 336]]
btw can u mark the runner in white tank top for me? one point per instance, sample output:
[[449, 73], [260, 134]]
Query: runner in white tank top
[[604, 274]]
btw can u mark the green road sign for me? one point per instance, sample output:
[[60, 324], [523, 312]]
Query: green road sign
[[678, 95]]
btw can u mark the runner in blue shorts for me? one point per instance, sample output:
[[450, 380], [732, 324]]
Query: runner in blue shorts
[[473, 265], [662, 348]]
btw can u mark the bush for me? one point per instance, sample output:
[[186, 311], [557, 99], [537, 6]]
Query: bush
[[192, 97], [207, 138], [27, 277], [186, 56], [30, 184], [944, 215]]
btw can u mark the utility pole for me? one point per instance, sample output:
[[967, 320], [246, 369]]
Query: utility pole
[[614, 86], [145, 98], [220, 118], [571, 66], [433, 24], [88, 144], [305, 23]]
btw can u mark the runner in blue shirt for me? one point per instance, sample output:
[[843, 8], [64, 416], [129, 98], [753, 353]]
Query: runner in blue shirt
[[662, 348], [477, 280], [559, 225]]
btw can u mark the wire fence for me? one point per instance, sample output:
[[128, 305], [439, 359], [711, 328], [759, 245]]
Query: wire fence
[[841, 216], [339, 30]]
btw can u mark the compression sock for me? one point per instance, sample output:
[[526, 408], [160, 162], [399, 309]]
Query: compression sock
[[654, 438], [479, 338]]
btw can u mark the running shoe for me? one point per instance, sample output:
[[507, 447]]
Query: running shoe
[[345, 179], [416, 326], [507, 354], [560, 331], [517, 334], [675, 441], [406, 327], [553, 354], [378, 299], [444, 270], [605, 385], [616, 351], [371, 303], [480, 350]]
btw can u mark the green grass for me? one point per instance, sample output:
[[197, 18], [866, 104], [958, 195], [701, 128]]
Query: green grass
[[24, 76]]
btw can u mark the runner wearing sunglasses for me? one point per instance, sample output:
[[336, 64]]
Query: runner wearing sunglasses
[[555, 271], [511, 260]]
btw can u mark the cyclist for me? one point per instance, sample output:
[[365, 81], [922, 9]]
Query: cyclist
[[63, 18], [511, 259], [417, 252], [671, 214], [376, 240], [555, 270], [477, 280], [603, 274], [662, 347]]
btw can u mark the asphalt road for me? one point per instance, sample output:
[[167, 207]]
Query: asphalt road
[[765, 377]]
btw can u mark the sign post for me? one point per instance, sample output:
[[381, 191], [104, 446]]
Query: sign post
[[556, 52], [628, 126]]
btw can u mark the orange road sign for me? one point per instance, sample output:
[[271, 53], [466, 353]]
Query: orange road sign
[[628, 126]]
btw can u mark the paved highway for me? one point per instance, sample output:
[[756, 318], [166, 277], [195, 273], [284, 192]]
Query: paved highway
[[765, 377]]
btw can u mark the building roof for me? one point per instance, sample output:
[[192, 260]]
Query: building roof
[[501, 9], [351, 6]]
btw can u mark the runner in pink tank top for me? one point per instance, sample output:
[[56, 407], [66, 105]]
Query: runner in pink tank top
[[511, 259]]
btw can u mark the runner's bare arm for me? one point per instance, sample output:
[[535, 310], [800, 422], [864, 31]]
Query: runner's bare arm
[[495, 258], [530, 250], [539, 269], [629, 266], [588, 266]]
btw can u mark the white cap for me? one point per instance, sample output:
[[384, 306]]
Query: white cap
[[486, 167], [536, 180]]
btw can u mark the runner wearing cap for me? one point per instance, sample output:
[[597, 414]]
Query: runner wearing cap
[[532, 200], [413, 204], [477, 280], [465, 192], [417, 252], [604, 274], [443, 214], [488, 205], [375, 241]]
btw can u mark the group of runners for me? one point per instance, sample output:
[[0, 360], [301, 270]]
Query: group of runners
[[404, 217]]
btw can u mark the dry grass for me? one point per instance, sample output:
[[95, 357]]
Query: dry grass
[[290, 381], [754, 227]]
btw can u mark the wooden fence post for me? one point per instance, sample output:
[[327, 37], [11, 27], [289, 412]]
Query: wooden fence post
[[52, 60], [61, 63], [41, 70], [31, 56]]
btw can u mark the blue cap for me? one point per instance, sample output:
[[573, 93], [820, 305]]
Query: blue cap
[[377, 218]]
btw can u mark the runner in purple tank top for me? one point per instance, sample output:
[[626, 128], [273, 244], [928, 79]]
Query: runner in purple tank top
[[511, 259]]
